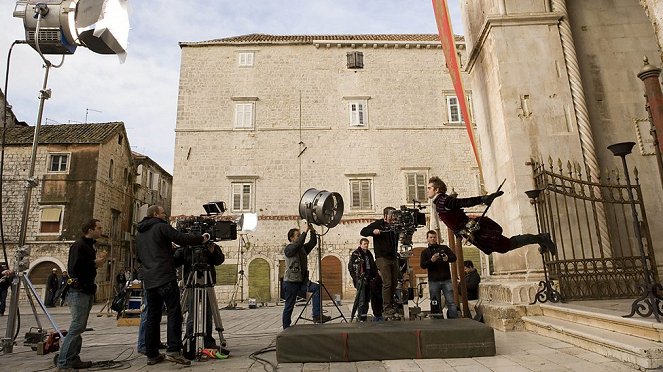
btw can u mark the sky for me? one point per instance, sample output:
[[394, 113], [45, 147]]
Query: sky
[[142, 92]]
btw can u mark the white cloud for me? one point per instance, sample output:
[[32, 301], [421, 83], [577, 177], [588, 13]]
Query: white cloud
[[143, 91]]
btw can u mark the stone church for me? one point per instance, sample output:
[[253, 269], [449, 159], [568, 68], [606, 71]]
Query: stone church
[[262, 118]]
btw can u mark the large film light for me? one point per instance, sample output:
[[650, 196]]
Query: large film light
[[59, 26], [322, 208], [247, 222]]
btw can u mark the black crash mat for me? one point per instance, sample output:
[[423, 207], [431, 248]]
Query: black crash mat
[[351, 342]]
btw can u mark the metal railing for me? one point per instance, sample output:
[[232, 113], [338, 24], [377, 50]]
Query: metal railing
[[576, 209]]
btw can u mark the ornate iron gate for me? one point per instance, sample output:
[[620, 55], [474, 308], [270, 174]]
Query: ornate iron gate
[[590, 221]]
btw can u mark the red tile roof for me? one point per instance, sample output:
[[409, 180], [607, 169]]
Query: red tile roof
[[309, 39], [64, 133]]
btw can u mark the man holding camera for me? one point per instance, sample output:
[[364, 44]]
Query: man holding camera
[[436, 258], [296, 278], [385, 244], [82, 265], [154, 247], [364, 272], [206, 256]]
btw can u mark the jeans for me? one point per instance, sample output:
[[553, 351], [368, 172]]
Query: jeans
[[80, 305], [140, 345], [168, 294], [435, 287], [290, 290]]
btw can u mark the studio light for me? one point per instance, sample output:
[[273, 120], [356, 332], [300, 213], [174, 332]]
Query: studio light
[[321, 207], [59, 26], [214, 207], [247, 222]]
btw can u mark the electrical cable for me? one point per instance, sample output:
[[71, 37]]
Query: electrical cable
[[269, 348]]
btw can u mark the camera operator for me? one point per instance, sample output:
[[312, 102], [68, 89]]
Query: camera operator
[[436, 258], [154, 247], [296, 278], [385, 244], [364, 272], [209, 255]]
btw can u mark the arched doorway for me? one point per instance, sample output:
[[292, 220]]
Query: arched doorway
[[259, 285], [39, 274], [332, 277]]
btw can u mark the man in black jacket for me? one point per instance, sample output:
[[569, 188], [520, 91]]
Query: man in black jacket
[[155, 253], [52, 284], [385, 244], [207, 256], [364, 271], [435, 258], [82, 267], [5, 282], [472, 280]]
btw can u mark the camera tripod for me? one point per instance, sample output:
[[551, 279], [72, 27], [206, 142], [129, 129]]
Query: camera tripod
[[14, 316], [199, 301], [321, 287]]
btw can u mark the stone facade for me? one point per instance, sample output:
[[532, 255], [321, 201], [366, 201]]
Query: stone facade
[[95, 181], [300, 135]]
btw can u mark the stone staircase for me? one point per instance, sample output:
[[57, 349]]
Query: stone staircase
[[602, 330]]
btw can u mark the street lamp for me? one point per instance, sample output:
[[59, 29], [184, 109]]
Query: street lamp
[[649, 288], [59, 27]]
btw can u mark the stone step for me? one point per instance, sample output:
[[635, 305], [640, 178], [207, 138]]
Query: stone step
[[636, 350], [636, 326]]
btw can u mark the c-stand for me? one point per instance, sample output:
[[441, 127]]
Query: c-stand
[[243, 245], [321, 287], [199, 299]]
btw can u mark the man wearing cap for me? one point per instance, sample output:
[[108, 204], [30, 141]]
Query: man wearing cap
[[52, 286]]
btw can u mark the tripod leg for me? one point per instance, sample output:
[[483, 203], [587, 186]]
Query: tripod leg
[[28, 286], [335, 305], [358, 299], [215, 315]]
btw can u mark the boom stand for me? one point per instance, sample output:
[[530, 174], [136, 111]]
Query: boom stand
[[242, 243], [322, 286], [199, 299]]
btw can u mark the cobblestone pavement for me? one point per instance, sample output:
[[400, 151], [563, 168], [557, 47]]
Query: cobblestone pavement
[[250, 330]]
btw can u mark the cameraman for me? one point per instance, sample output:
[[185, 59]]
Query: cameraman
[[154, 247], [296, 278], [436, 260], [209, 255], [385, 244]]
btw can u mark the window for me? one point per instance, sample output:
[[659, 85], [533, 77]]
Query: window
[[58, 163], [110, 170], [50, 219], [242, 196], [355, 60], [358, 114], [115, 224], [416, 186], [361, 194], [244, 115], [454, 115], [164, 188], [245, 59]]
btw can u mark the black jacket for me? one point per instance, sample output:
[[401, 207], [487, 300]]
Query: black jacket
[[438, 271], [53, 282], [155, 253], [81, 265], [357, 265], [472, 280], [184, 257], [385, 244]]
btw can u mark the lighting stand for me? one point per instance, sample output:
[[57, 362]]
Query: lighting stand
[[650, 288], [31, 182], [321, 287], [242, 246]]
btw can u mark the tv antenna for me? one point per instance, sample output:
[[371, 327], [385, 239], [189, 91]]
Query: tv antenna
[[87, 111]]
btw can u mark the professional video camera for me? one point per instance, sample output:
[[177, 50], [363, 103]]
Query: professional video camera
[[406, 221], [218, 230]]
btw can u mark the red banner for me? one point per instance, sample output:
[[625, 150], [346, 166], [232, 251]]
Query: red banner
[[449, 48]]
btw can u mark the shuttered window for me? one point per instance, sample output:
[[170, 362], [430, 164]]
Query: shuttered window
[[361, 192]]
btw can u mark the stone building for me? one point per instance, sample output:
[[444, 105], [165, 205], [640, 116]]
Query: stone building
[[82, 171], [262, 118]]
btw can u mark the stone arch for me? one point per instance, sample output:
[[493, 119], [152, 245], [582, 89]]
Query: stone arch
[[259, 280], [332, 276], [42, 267]]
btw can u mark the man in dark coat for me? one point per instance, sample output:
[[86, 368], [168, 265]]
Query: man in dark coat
[[155, 253], [385, 244], [364, 271], [52, 285], [435, 259], [5, 282], [472, 280]]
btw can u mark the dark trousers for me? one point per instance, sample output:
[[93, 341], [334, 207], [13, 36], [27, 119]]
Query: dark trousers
[[169, 295], [376, 296], [3, 299], [389, 270]]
